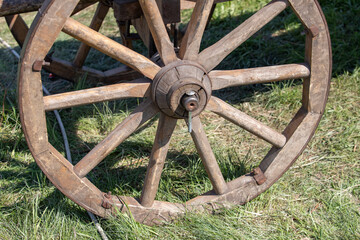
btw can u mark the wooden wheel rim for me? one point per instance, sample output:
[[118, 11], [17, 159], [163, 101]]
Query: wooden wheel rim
[[239, 191]]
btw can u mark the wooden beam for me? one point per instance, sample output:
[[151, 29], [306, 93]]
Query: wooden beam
[[11, 7]]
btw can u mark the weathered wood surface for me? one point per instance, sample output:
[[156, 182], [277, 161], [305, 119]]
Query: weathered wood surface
[[100, 14], [208, 158], [157, 159], [18, 28], [213, 55], [157, 28], [11, 7], [139, 116], [190, 44], [187, 4], [246, 122], [318, 53], [67, 70], [99, 94], [111, 48], [169, 10], [231, 78], [288, 145]]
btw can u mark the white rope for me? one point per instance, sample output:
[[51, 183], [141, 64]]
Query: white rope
[[66, 142], [10, 48]]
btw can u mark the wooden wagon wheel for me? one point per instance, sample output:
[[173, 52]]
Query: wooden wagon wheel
[[75, 69], [184, 84]]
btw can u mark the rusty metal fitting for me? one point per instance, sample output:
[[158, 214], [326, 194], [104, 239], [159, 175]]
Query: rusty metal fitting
[[259, 176], [190, 101], [107, 202], [314, 31], [37, 66]]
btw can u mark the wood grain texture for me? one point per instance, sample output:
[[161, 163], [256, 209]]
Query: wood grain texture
[[18, 28], [96, 22], [157, 159], [207, 156], [61, 68], [190, 44], [11, 7], [99, 94], [158, 30], [187, 4], [246, 122], [213, 55], [30, 95], [143, 30], [318, 55], [230, 78], [238, 191], [111, 48], [140, 115]]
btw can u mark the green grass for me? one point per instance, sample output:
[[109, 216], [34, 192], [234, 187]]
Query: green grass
[[318, 198]]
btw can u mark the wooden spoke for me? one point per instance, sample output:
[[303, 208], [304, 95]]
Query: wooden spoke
[[207, 156], [83, 4], [111, 48], [246, 122], [213, 55], [18, 28], [142, 113], [157, 160], [231, 78], [100, 14], [158, 31], [94, 95], [190, 43]]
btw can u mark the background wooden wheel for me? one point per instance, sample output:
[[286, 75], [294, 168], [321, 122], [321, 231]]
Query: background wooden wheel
[[193, 71], [74, 70]]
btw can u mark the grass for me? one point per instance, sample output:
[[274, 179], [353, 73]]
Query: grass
[[318, 198]]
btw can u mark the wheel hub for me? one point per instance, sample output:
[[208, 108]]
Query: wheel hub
[[181, 87]]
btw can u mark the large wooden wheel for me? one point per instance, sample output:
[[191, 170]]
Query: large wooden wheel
[[184, 84]]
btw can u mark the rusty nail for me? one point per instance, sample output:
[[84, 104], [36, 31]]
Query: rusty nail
[[37, 66]]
